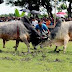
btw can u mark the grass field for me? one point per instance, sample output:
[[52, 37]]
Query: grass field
[[40, 60]]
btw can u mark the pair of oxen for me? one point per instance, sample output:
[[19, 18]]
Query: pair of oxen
[[22, 30]]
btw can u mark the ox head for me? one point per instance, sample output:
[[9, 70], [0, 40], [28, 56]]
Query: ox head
[[46, 43], [34, 35]]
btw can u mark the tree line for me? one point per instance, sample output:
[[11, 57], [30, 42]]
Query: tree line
[[35, 4]]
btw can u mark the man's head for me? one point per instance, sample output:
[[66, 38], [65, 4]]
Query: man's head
[[40, 22], [33, 19]]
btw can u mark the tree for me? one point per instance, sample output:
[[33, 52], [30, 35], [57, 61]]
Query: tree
[[69, 8], [17, 14], [32, 4], [62, 7], [35, 4], [1, 1], [48, 6]]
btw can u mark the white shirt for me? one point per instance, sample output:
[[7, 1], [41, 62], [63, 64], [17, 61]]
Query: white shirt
[[34, 23]]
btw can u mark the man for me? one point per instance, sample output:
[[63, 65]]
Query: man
[[42, 28], [34, 22]]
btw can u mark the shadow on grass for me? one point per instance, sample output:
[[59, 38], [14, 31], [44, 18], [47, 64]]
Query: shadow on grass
[[54, 52], [6, 58], [57, 51], [1, 51]]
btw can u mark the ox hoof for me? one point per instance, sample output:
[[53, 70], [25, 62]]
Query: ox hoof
[[15, 49], [54, 50], [3, 47], [14, 46]]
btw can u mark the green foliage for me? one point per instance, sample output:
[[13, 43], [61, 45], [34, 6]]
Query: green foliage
[[17, 13], [63, 6], [41, 16], [34, 4], [29, 15], [22, 14], [59, 9]]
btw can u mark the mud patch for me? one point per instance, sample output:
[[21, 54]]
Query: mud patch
[[1, 51], [26, 59], [6, 58], [57, 60]]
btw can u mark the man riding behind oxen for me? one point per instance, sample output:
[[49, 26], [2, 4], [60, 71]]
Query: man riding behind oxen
[[42, 29]]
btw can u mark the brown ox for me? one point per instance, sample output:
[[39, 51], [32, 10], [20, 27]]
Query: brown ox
[[60, 35], [19, 31]]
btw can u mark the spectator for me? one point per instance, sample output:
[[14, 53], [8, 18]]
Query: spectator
[[42, 28], [34, 22], [48, 22]]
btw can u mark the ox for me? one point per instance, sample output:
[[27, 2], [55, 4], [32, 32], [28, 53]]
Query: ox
[[60, 35], [19, 31]]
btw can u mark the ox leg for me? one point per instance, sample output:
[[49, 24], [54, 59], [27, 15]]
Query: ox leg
[[65, 43], [28, 46], [17, 43], [55, 49], [3, 43], [24, 39]]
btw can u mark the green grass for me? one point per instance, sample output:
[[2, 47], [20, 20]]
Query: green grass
[[41, 60]]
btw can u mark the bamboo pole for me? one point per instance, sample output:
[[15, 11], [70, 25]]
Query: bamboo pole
[[55, 14]]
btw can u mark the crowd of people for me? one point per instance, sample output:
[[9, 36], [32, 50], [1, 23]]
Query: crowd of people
[[45, 25], [42, 25], [5, 19]]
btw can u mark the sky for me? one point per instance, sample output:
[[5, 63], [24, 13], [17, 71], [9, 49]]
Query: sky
[[6, 9]]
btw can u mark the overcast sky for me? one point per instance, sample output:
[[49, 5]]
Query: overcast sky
[[6, 9]]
